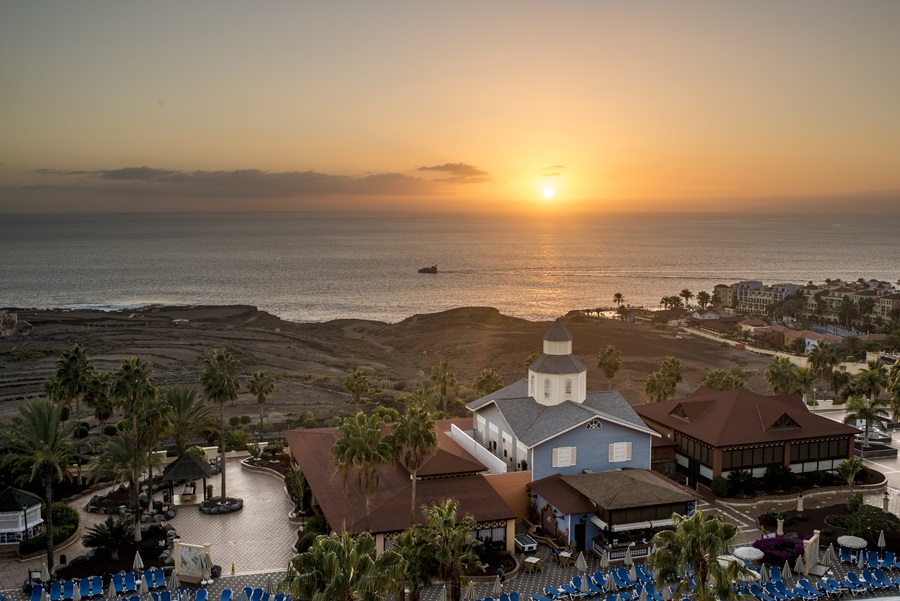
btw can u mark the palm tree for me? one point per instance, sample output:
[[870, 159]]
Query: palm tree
[[190, 416], [121, 460], [697, 543], [779, 375], [219, 380], [108, 536], [848, 470], [133, 387], [261, 384], [687, 295], [869, 411], [823, 359], [73, 376], [39, 446], [454, 551], [840, 379], [703, 298], [357, 384], [618, 298], [360, 452], [609, 361], [156, 418], [487, 381], [872, 379], [417, 552], [343, 568], [802, 382], [414, 439], [673, 369], [443, 377], [719, 379], [98, 398], [893, 390], [531, 359], [659, 387], [739, 479]]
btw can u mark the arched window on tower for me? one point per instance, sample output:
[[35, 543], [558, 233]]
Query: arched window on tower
[[568, 388], [547, 388], [531, 390]]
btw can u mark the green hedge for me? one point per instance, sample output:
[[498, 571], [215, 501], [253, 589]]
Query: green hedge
[[65, 523]]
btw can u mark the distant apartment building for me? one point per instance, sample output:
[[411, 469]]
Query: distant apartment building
[[724, 295]]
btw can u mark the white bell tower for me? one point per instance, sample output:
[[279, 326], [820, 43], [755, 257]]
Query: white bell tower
[[557, 375]]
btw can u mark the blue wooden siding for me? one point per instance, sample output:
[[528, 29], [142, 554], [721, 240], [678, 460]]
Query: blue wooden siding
[[592, 450]]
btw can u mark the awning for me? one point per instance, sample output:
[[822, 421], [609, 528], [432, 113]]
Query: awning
[[600, 523], [632, 526], [661, 523]]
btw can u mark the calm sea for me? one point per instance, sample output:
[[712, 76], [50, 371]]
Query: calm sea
[[317, 267]]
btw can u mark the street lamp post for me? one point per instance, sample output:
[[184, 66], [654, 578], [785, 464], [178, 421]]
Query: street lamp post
[[25, 515]]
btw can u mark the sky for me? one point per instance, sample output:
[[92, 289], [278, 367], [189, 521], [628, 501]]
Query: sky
[[453, 106]]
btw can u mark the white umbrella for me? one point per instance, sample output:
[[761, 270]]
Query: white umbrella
[[786, 571], [610, 582], [628, 560], [724, 560], [498, 586], [470, 591], [763, 573], [851, 542], [584, 587], [144, 590], [138, 564], [604, 560], [861, 559], [443, 595], [45, 576], [632, 573], [829, 558], [174, 583], [666, 593], [44, 595], [643, 596], [798, 565], [580, 562], [76, 593], [749, 553], [881, 543], [111, 591], [268, 587]]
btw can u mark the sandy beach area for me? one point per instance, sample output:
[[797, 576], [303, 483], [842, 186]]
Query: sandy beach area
[[471, 338]]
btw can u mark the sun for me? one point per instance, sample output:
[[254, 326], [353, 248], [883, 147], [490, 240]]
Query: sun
[[549, 192]]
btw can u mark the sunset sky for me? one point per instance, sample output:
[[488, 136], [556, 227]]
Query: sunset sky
[[603, 105]]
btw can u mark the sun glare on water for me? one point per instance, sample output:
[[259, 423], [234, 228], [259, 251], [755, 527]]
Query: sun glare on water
[[549, 193]]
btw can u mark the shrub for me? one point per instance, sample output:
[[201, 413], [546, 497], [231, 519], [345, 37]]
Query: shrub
[[779, 549], [109, 536], [235, 439], [316, 526], [867, 521], [65, 523], [150, 550], [198, 452], [770, 518], [110, 430], [234, 421], [245, 420], [254, 450], [719, 486], [856, 502]]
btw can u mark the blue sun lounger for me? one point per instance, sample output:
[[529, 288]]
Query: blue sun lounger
[[37, 591]]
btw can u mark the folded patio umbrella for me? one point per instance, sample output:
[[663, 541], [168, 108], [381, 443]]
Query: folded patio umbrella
[[76, 593], [174, 583], [268, 587], [828, 559], [643, 596], [470, 591], [786, 570], [604, 560], [666, 593], [144, 590], [881, 542], [45, 575], [798, 565], [498, 587], [610, 583], [584, 587], [763, 573], [632, 573], [44, 595], [138, 563], [206, 569], [861, 559], [581, 562], [443, 596], [628, 560], [111, 591]]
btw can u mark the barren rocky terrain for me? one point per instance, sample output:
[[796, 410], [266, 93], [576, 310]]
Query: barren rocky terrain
[[305, 355]]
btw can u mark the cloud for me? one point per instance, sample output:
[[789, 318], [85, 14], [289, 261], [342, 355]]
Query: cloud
[[553, 171], [459, 173]]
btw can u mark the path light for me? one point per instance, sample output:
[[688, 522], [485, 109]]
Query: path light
[[884, 501]]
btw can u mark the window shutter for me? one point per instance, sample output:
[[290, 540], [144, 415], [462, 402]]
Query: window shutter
[[628, 452], [555, 457], [572, 460], [612, 452]]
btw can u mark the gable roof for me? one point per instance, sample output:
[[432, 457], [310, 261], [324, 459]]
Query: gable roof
[[12, 499], [187, 467], [345, 510], [736, 417], [534, 423]]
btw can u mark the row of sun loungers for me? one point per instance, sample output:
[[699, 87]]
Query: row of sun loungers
[[871, 559], [93, 587]]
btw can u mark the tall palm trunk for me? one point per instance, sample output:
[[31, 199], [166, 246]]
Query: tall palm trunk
[[412, 504], [137, 488], [222, 447], [48, 496], [261, 414]]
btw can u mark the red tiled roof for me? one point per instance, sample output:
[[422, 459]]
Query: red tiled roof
[[736, 417], [345, 510]]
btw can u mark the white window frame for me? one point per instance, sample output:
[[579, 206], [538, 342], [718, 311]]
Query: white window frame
[[619, 452], [564, 457]]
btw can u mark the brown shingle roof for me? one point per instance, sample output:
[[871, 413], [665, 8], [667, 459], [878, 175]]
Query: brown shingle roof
[[345, 510], [616, 489], [736, 417]]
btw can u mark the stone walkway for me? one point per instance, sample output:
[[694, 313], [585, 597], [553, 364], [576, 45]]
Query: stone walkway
[[257, 539]]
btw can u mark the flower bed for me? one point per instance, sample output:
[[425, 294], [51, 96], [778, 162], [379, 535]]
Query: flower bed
[[779, 549]]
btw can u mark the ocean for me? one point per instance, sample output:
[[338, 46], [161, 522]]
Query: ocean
[[322, 266]]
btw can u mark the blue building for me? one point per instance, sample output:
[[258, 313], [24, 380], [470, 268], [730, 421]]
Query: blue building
[[578, 446]]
